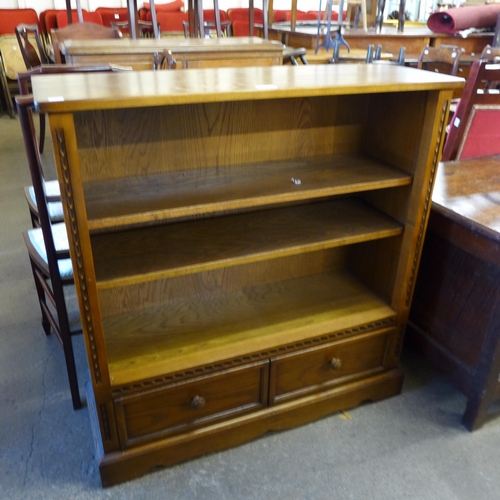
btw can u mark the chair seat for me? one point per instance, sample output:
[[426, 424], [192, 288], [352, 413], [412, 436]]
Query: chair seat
[[55, 208], [36, 244], [52, 190]]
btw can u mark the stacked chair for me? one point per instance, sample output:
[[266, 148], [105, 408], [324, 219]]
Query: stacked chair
[[47, 241]]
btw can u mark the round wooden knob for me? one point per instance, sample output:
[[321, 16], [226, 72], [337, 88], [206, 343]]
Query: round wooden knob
[[198, 402], [335, 363]]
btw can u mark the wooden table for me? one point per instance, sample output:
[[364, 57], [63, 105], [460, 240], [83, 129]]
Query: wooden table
[[413, 39], [455, 317], [189, 53]]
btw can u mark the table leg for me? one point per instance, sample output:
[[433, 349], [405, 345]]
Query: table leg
[[156, 31], [218, 28], [68, 12], [201, 21], [251, 18], [133, 18], [293, 22]]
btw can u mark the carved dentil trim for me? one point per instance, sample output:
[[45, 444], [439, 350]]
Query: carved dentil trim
[[81, 282], [203, 370]]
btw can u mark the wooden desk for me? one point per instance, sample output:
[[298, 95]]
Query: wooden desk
[[455, 317], [391, 40], [189, 53], [413, 39]]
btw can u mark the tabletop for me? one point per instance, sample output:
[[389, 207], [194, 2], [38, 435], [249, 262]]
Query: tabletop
[[470, 189]]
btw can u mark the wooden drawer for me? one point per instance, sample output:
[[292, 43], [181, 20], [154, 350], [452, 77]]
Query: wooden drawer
[[181, 407], [311, 370]]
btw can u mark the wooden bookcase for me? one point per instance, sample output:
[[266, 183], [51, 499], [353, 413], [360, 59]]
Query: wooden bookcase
[[245, 244]]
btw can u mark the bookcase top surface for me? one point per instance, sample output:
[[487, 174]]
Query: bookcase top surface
[[79, 92]]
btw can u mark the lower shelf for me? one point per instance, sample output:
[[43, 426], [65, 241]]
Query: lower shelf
[[249, 324]]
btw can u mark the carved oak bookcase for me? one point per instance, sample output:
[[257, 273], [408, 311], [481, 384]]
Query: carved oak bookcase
[[245, 243]]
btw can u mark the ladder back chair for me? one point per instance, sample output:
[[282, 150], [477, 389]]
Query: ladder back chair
[[80, 31], [32, 56], [51, 187], [475, 127], [48, 251], [441, 59]]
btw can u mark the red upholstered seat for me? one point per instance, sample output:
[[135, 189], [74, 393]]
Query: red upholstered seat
[[110, 15], [335, 15], [303, 16], [240, 20], [241, 28], [243, 14], [174, 6], [209, 15], [475, 127], [10, 18], [48, 20], [171, 21], [279, 16], [483, 134], [88, 17]]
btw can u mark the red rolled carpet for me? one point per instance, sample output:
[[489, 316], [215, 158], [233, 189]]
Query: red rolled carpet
[[462, 18]]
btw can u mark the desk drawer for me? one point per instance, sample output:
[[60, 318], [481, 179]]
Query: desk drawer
[[186, 405], [314, 369]]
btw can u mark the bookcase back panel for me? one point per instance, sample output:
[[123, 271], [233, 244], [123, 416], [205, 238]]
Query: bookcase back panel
[[194, 287], [144, 141], [375, 263], [395, 135]]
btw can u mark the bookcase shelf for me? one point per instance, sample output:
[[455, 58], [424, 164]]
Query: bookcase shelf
[[135, 200], [165, 251], [180, 335]]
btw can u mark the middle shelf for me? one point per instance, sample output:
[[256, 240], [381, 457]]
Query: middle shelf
[[169, 250], [117, 202]]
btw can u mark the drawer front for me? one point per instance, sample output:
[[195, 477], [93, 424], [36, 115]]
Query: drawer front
[[181, 407], [314, 369]]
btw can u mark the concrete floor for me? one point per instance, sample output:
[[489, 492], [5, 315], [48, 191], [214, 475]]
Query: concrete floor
[[408, 447]]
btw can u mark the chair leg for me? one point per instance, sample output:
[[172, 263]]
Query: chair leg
[[42, 133], [69, 357], [64, 335], [42, 300]]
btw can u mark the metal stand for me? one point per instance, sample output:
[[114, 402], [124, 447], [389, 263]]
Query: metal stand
[[338, 40]]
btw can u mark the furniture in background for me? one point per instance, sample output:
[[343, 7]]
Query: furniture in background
[[475, 127], [455, 316], [196, 20], [112, 15], [230, 290], [441, 59], [81, 31], [32, 58], [144, 28], [188, 53], [11, 59], [290, 56], [133, 17], [88, 17]]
